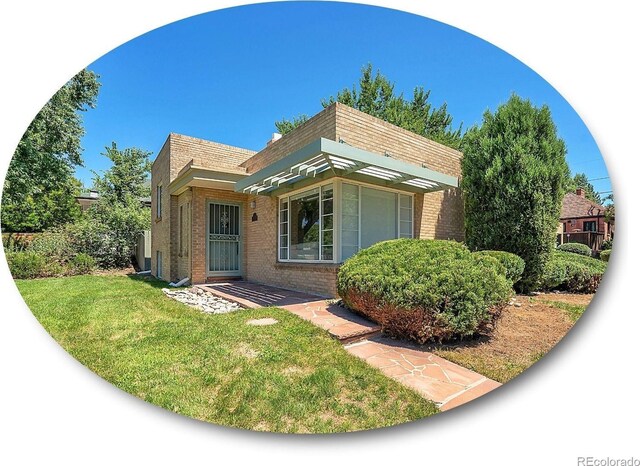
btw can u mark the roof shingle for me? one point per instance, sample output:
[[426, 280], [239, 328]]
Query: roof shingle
[[574, 206]]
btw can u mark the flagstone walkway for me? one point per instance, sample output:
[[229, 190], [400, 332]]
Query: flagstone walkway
[[435, 378]]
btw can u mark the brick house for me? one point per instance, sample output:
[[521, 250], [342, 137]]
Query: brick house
[[580, 214], [289, 214], [583, 221]]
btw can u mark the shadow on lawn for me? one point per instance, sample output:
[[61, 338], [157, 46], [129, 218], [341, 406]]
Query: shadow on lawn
[[148, 280]]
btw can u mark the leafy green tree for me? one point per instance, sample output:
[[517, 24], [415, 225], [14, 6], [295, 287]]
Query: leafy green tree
[[39, 188], [375, 95], [580, 180], [514, 176], [284, 126], [109, 230], [610, 209], [127, 176]]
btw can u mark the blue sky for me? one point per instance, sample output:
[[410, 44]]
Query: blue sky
[[228, 75]]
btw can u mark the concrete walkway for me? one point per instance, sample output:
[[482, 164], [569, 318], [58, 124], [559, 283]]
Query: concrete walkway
[[435, 378]]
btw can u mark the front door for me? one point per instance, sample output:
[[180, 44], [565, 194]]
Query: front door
[[224, 239]]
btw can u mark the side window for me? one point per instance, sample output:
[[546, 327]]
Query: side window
[[159, 264], [159, 201]]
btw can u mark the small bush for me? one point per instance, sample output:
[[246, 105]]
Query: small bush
[[81, 264], [572, 272], [512, 264], [54, 244], [424, 289], [27, 264], [604, 255], [576, 248], [606, 244]]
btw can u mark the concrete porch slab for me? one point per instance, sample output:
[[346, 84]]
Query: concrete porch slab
[[339, 322]]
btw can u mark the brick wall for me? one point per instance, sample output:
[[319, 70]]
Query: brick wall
[[160, 226], [183, 235], [437, 215], [177, 151]]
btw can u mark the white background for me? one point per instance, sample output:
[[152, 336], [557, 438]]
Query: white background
[[581, 400]]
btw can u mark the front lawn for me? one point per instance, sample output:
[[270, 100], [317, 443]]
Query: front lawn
[[287, 377]]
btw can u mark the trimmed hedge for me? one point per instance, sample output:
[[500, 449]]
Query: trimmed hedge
[[512, 264], [604, 255], [424, 290], [576, 248], [572, 272], [606, 244]]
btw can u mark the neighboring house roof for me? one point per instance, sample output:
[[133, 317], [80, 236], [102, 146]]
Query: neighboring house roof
[[91, 197], [577, 206]]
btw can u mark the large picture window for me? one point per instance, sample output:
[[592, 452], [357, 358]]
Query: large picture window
[[310, 230]]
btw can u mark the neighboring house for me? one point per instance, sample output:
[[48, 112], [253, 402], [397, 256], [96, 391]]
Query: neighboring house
[[291, 213], [583, 221], [87, 199]]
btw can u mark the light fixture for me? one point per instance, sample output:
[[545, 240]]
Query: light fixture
[[253, 204]]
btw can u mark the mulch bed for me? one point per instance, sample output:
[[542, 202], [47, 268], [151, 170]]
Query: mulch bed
[[522, 335]]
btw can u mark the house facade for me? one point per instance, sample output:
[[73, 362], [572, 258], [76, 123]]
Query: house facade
[[290, 214], [580, 214]]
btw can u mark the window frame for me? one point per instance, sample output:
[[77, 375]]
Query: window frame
[[319, 187], [593, 223], [336, 184]]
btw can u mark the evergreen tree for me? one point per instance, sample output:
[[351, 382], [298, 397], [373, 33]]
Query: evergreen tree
[[514, 176]]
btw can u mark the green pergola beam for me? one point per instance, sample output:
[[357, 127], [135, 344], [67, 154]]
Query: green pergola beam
[[358, 156]]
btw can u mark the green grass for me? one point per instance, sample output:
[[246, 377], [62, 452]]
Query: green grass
[[287, 377], [574, 311]]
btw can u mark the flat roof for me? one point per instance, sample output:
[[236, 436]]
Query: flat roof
[[324, 158]]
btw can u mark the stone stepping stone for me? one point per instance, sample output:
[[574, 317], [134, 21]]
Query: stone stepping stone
[[262, 322]]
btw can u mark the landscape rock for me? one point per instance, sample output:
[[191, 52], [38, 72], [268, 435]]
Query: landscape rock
[[203, 300]]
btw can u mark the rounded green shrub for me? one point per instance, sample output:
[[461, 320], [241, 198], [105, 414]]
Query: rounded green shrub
[[425, 290], [576, 248], [512, 264], [572, 272], [606, 244], [604, 255]]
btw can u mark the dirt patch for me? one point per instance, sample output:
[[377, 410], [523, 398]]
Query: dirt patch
[[246, 351], [580, 299], [296, 370], [522, 335], [118, 272]]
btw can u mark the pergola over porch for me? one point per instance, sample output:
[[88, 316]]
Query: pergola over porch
[[324, 158]]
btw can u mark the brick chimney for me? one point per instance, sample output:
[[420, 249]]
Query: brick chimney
[[580, 192]]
